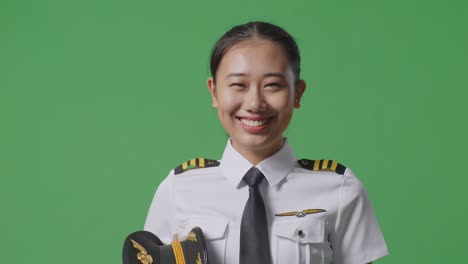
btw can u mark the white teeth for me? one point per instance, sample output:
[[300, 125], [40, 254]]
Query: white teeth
[[253, 123]]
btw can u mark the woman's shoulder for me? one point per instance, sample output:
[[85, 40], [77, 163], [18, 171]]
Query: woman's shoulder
[[185, 170], [193, 167], [333, 171]]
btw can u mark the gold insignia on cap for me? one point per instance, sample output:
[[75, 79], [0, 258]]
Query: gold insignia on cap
[[324, 164], [196, 163], [142, 256], [301, 213], [191, 236]]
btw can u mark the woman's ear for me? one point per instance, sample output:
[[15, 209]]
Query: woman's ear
[[211, 87], [300, 88]]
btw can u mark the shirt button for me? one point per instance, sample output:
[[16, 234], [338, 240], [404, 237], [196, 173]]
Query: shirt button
[[300, 233]]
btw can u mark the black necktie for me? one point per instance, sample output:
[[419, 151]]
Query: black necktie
[[254, 241]]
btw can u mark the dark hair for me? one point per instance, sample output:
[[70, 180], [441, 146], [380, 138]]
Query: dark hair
[[256, 30]]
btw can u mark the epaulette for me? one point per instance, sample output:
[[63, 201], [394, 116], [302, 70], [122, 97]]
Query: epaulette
[[317, 165], [196, 163]]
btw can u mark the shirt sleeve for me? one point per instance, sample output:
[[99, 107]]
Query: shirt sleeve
[[161, 213], [357, 238]]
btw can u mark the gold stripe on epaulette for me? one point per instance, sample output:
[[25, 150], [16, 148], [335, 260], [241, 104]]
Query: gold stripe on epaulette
[[316, 165], [324, 164]]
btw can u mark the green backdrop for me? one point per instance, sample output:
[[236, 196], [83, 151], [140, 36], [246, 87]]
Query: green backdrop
[[100, 99]]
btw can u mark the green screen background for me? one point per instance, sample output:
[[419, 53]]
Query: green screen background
[[100, 99]]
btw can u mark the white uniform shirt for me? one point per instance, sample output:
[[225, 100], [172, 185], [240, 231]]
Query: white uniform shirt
[[214, 199]]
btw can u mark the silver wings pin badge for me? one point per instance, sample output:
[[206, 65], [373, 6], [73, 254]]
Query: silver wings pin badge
[[302, 213]]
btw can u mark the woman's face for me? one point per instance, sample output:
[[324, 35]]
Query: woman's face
[[255, 93]]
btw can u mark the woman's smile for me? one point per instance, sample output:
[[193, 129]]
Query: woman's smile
[[255, 124]]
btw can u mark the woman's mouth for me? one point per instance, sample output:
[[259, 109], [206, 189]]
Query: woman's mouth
[[254, 124]]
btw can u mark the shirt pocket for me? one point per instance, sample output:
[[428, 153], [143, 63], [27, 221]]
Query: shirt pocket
[[300, 240], [215, 233]]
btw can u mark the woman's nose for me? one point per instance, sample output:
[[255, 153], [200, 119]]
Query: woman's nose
[[255, 101]]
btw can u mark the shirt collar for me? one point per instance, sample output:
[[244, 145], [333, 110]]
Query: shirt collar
[[275, 168]]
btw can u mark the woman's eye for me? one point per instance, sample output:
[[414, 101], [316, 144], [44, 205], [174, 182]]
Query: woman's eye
[[237, 84], [278, 85]]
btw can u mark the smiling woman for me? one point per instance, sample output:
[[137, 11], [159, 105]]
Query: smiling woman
[[259, 203]]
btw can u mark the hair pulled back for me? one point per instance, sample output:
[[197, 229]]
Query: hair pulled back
[[256, 30]]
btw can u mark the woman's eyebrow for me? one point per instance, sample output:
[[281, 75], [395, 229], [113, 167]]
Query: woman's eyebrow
[[269, 74], [274, 74], [235, 74]]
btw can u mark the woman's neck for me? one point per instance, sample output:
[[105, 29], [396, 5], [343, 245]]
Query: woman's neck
[[257, 155]]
